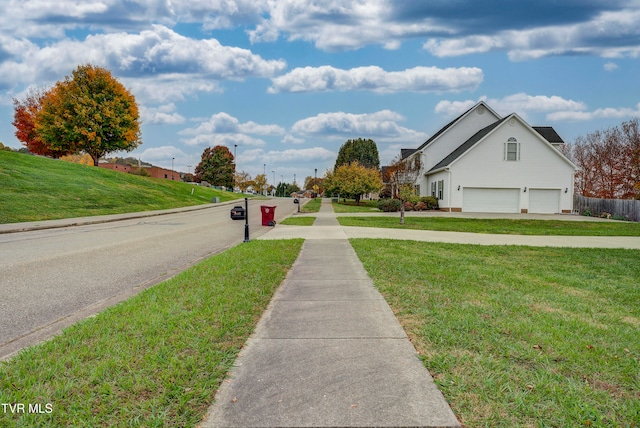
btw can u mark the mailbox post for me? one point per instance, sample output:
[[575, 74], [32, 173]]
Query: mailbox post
[[246, 219]]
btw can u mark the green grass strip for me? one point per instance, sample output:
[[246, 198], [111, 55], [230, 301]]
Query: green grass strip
[[156, 359], [350, 206], [299, 221], [313, 206], [499, 226], [519, 336]]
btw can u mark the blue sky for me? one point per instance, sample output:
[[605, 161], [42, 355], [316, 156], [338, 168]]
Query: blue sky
[[289, 81]]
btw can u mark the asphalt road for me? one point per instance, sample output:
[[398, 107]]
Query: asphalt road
[[51, 278]]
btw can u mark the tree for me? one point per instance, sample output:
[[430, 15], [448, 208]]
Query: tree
[[243, 181], [91, 112], [315, 184], [365, 152], [260, 183], [353, 180], [608, 162], [24, 120], [402, 175], [216, 167]]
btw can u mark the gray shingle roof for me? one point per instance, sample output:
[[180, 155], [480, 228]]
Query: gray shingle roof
[[549, 134], [405, 153]]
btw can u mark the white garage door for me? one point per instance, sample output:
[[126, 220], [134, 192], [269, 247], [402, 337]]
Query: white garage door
[[544, 201], [483, 200]]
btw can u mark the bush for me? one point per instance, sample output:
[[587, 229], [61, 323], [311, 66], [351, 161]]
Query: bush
[[430, 201], [389, 205], [414, 199], [384, 194], [420, 206], [408, 206]]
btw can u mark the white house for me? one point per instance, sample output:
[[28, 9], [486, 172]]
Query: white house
[[481, 162]]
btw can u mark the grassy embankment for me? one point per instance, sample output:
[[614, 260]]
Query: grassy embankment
[[35, 189]]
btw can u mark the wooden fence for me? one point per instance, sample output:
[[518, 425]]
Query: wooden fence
[[627, 208]]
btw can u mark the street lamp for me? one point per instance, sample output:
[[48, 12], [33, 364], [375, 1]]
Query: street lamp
[[172, 159], [274, 179]]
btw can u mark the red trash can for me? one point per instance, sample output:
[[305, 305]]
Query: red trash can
[[268, 214]]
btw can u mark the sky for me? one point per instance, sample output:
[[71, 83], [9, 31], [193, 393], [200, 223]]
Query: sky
[[284, 83]]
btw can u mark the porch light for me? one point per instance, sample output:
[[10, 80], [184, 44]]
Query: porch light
[[525, 189], [566, 189], [458, 187]]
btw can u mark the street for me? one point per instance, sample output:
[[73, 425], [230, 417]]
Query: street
[[51, 278]]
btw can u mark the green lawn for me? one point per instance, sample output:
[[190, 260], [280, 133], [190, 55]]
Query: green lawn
[[35, 188], [156, 359], [520, 336], [500, 226]]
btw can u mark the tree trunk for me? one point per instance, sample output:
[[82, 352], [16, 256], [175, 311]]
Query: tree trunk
[[402, 213]]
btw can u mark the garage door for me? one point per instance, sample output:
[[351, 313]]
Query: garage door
[[475, 199], [544, 201]]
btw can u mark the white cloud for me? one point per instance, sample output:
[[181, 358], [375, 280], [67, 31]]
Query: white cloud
[[520, 103], [163, 115], [601, 113], [380, 126], [603, 35], [374, 78], [611, 66], [286, 156], [157, 56], [224, 129]]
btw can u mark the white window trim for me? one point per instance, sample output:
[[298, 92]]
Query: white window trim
[[506, 150]]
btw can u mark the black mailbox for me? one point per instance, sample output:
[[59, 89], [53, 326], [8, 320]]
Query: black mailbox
[[237, 213], [296, 201]]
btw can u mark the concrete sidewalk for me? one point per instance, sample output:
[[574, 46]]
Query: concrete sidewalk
[[333, 230], [329, 352]]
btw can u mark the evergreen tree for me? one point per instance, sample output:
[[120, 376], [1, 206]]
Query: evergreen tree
[[365, 152]]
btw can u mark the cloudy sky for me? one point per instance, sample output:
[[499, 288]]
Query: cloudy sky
[[289, 81]]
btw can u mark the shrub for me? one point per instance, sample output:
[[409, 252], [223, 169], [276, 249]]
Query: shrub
[[389, 205], [430, 201], [420, 206], [385, 194], [414, 199], [408, 206]]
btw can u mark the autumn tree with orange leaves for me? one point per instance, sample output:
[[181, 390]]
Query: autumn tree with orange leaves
[[608, 162], [24, 120], [89, 112]]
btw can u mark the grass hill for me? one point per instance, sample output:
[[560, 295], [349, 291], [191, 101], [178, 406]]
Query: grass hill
[[33, 188]]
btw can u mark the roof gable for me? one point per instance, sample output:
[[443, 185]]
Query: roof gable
[[480, 104]]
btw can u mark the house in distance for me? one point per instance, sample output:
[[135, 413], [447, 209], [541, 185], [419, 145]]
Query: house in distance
[[481, 162]]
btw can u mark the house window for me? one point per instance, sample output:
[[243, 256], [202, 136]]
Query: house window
[[441, 189], [512, 150], [434, 189]]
